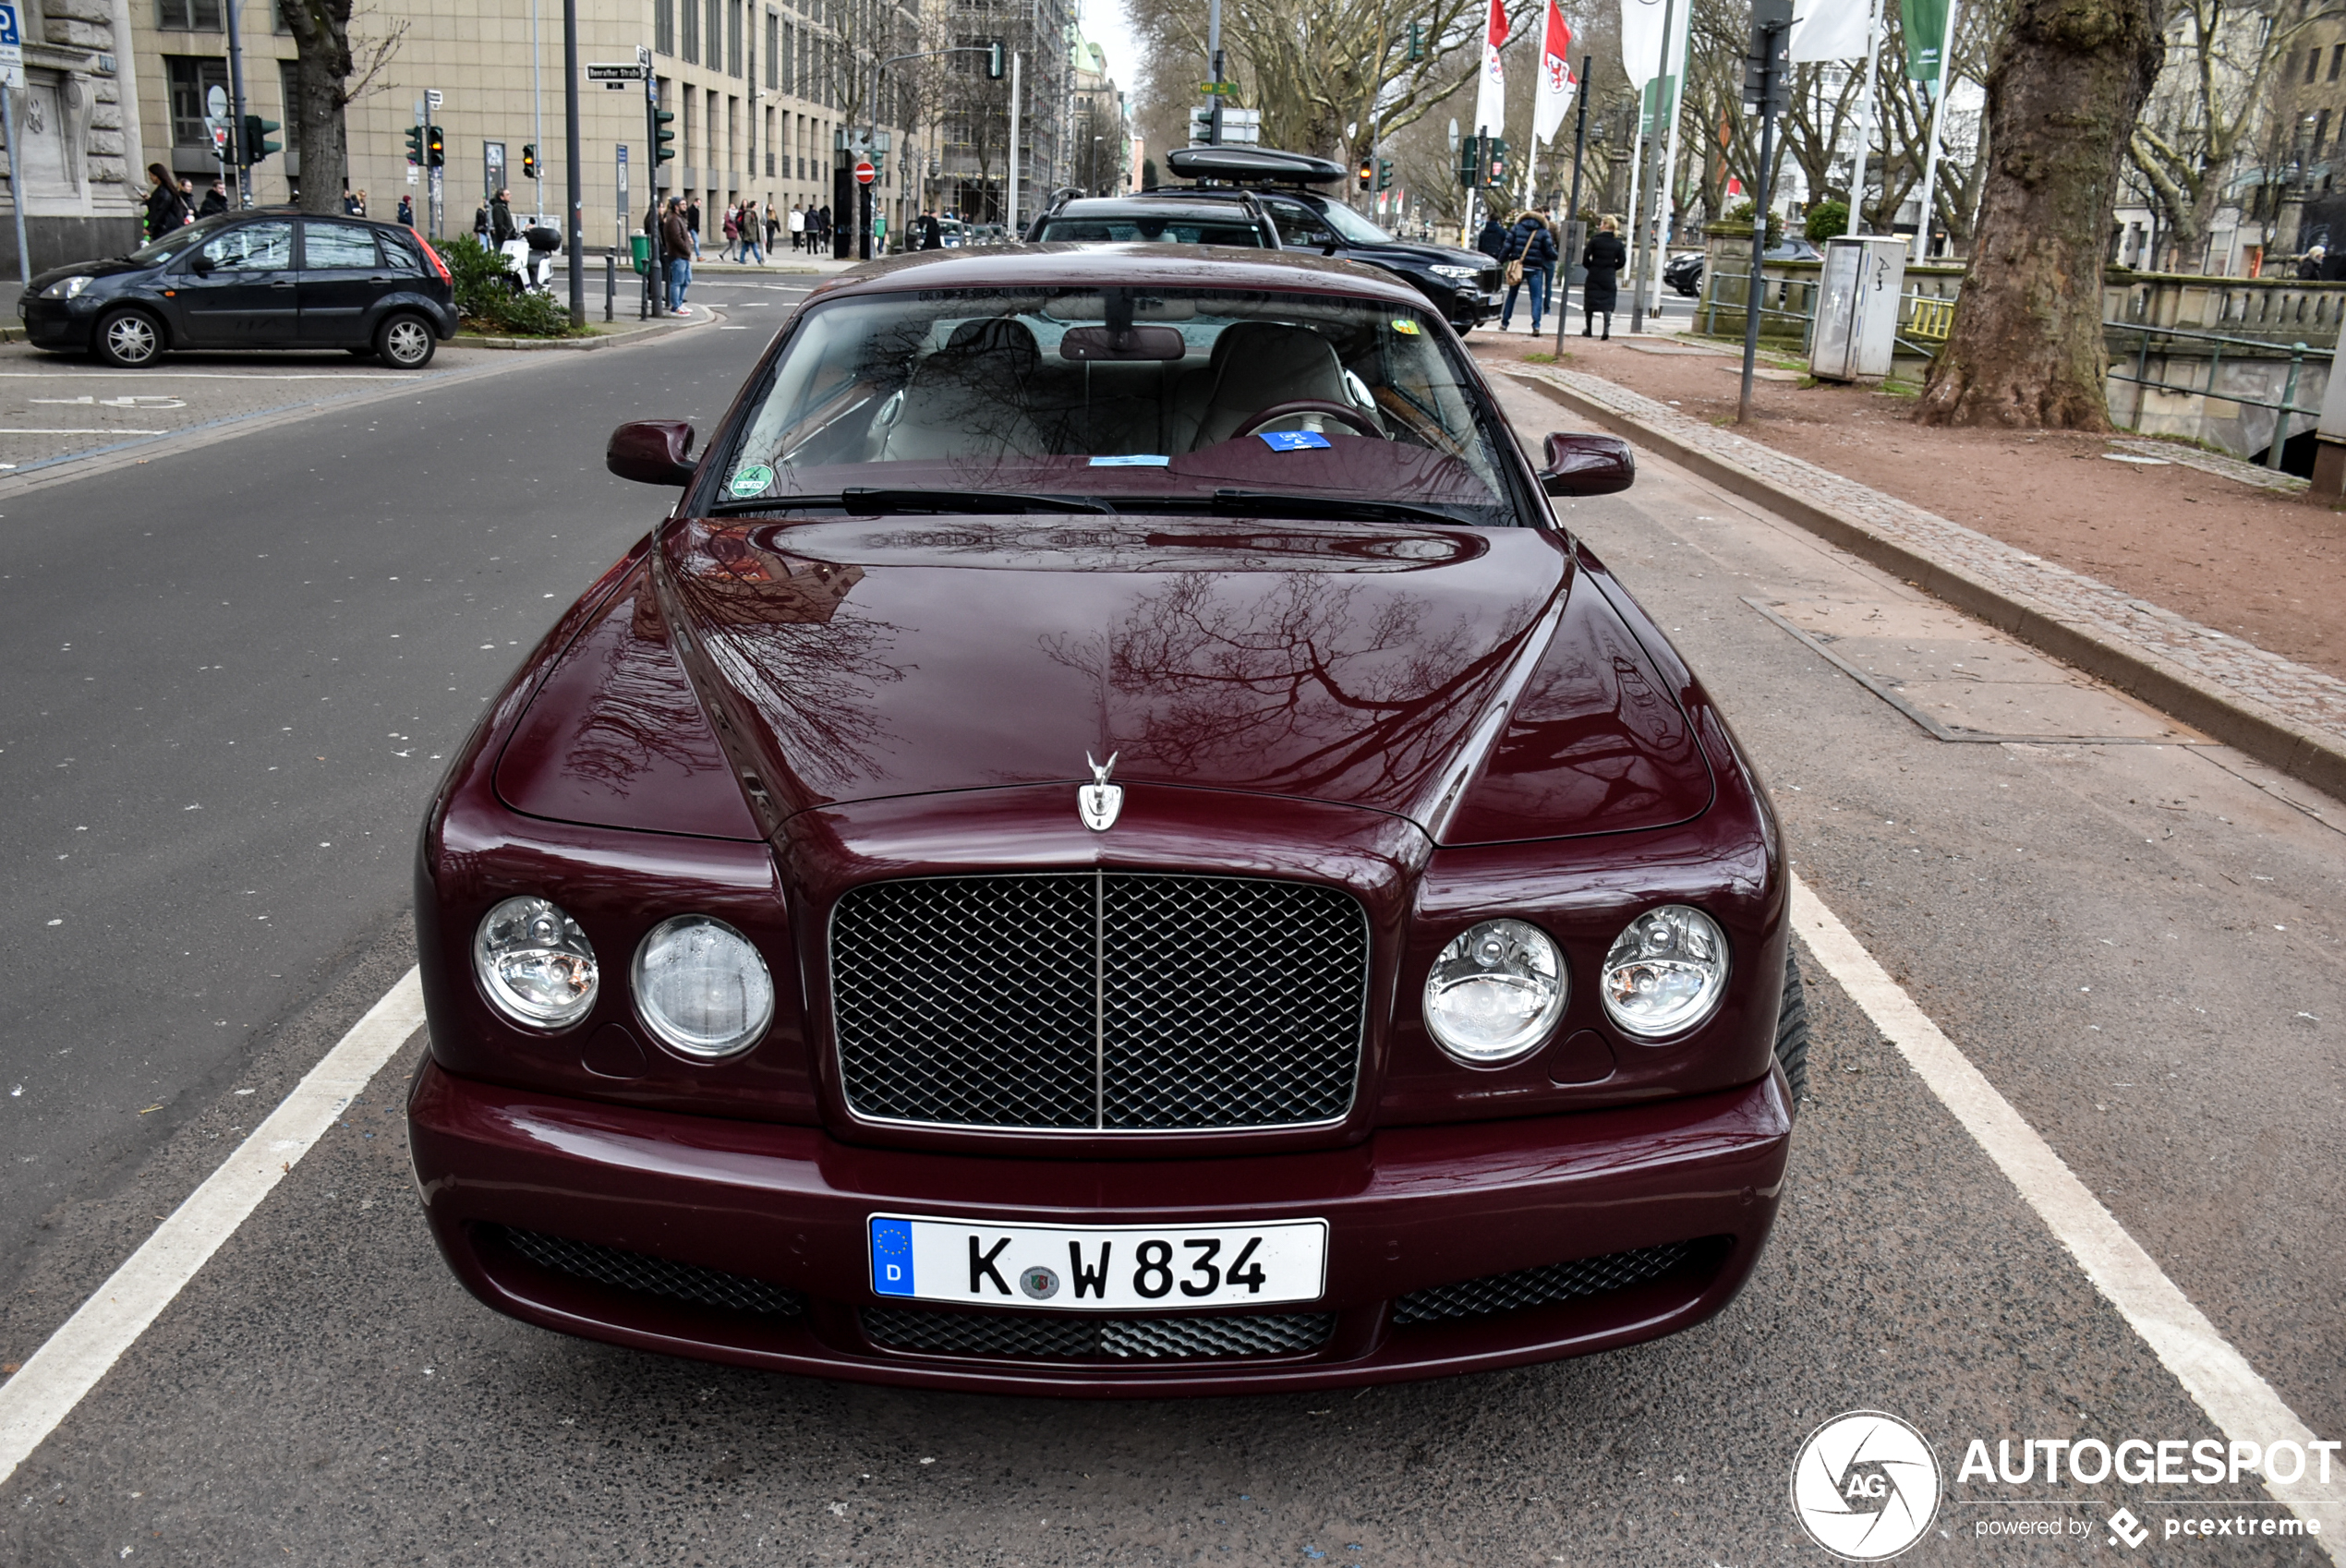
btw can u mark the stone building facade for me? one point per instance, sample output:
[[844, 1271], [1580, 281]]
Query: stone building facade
[[79, 174]]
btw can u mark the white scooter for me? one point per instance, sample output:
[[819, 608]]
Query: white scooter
[[529, 264]]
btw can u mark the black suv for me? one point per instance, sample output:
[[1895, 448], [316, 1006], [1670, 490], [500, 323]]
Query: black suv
[[273, 279], [1462, 285]]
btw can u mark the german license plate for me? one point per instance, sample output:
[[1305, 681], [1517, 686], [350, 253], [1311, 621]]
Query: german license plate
[[1098, 1267]]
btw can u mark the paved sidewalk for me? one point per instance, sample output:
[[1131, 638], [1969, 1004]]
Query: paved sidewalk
[[2275, 694]]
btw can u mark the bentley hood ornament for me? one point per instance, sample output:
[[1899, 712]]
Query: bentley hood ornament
[[1098, 802]]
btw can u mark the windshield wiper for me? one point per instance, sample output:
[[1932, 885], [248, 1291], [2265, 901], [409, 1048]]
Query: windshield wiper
[[1280, 503], [862, 502]]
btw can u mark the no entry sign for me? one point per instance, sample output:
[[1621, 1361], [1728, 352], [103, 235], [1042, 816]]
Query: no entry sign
[[865, 173]]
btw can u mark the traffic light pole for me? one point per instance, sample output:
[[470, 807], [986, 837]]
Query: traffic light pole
[[236, 107], [1213, 56], [1572, 207], [571, 171], [655, 272], [1772, 20]]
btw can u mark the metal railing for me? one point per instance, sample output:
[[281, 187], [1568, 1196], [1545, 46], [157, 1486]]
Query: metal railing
[[1807, 316], [2287, 406]]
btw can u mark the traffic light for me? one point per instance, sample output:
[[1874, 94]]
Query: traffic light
[[415, 144], [529, 160], [662, 136], [1384, 174], [1368, 172], [993, 61], [435, 147], [1497, 152], [1417, 41], [1470, 161], [257, 144]]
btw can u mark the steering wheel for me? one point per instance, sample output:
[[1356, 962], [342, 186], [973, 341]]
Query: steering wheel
[[1294, 405]]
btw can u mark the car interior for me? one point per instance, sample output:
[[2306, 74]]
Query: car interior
[[1129, 231]]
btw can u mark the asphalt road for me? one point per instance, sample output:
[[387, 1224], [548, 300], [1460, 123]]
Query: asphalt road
[[2136, 942]]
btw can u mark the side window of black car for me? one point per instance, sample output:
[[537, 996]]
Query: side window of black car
[[250, 247], [398, 255], [1298, 224], [337, 247]]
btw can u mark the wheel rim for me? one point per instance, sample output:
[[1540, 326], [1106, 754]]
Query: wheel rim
[[129, 338], [406, 342]]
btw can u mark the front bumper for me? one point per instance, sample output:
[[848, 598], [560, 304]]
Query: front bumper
[[745, 1242], [56, 324]]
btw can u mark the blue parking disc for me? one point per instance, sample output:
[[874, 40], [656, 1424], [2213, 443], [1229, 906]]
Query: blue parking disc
[[1292, 441]]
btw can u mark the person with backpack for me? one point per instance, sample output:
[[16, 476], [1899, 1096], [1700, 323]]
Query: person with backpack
[[166, 209], [1529, 260]]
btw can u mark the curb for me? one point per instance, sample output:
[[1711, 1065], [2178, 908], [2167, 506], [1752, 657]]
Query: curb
[[579, 345], [2303, 754]]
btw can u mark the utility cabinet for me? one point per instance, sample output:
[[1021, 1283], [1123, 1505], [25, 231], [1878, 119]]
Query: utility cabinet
[[1857, 299]]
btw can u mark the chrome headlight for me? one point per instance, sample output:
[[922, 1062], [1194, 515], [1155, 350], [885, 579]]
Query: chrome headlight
[[702, 988], [1495, 992], [1456, 274], [66, 288], [535, 965], [1666, 973]]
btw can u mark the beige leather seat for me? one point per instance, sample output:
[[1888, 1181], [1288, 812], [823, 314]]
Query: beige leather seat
[[1258, 364], [968, 399]]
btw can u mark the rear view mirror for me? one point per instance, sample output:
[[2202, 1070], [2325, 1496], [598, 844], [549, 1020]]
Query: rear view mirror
[[1587, 464], [1133, 342], [651, 452]]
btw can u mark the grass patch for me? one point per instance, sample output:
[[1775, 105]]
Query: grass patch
[[1907, 390], [1536, 357]]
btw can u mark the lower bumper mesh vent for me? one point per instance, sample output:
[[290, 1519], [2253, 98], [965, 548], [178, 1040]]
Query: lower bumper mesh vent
[[1544, 1286], [1067, 1337], [652, 1277]]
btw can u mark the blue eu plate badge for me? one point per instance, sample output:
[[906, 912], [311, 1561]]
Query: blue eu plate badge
[[891, 1257], [1292, 441]]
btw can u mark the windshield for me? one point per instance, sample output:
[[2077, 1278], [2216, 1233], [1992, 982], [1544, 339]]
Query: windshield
[[1139, 397], [175, 242], [1125, 230], [1352, 226]]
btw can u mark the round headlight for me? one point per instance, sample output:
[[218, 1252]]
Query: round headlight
[[535, 965], [702, 988], [1495, 992], [1666, 972]]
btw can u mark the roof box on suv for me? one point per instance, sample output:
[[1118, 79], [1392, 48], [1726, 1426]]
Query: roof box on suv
[[1251, 164]]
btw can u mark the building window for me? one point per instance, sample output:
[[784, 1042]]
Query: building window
[[716, 35], [734, 38], [190, 80], [289, 94], [189, 15], [690, 50], [2336, 59], [773, 42], [2321, 132], [664, 26], [2313, 60]]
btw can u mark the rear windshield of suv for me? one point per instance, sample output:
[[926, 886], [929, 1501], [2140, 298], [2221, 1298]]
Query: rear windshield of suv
[[1128, 231], [1123, 393]]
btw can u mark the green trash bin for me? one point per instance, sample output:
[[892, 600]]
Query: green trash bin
[[640, 248]]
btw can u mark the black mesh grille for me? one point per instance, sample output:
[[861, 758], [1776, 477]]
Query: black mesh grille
[[1089, 999], [1495, 1293], [1069, 1337], [653, 1276]]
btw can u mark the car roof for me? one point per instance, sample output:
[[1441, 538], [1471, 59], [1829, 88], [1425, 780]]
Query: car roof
[[1148, 205], [1026, 266]]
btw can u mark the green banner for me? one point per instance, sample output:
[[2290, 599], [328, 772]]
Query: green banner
[[1660, 94], [1926, 26]]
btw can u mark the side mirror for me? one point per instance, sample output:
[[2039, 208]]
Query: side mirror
[[651, 452], [1586, 465], [199, 264]]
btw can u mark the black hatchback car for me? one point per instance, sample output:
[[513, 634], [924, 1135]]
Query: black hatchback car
[[252, 280]]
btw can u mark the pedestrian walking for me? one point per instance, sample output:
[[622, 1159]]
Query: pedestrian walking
[[480, 223], [797, 226], [407, 210], [1530, 260], [214, 201], [501, 218], [752, 232], [691, 220], [773, 226], [676, 239], [166, 209], [1493, 241], [1603, 259], [823, 226], [932, 233]]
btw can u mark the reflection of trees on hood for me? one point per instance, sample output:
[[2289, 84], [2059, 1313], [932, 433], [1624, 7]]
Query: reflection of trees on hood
[[776, 631], [642, 709], [1323, 689]]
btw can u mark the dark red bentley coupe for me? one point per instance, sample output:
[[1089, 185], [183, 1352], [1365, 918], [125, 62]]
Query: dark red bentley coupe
[[1110, 843]]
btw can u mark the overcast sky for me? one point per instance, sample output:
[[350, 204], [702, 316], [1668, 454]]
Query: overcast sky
[[1105, 25]]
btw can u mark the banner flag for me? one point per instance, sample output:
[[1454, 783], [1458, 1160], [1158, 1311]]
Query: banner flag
[[1926, 26], [1491, 96], [1830, 30], [1556, 82], [1642, 40]]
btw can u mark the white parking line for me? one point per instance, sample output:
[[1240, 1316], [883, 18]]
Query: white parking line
[[169, 375], [70, 1364], [109, 431], [2219, 1379]]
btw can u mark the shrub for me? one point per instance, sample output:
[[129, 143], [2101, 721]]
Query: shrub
[[1827, 220], [485, 295], [1738, 223]]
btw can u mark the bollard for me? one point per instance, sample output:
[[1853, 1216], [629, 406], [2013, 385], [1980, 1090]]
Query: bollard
[[610, 283]]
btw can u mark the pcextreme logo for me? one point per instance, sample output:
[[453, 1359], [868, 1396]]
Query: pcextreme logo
[[1866, 1486]]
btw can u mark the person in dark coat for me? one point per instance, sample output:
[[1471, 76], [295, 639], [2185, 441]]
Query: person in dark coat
[[1492, 242], [932, 233], [1604, 259], [501, 218], [166, 209], [214, 201], [1531, 243]]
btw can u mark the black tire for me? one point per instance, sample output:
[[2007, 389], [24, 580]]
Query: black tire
[[127, 339], [1792, 1033], [405, 341]]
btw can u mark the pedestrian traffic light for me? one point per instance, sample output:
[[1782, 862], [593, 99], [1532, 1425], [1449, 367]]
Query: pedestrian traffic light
[[662, 136], [257, 144], [993, 61], [435, 147], [529, 160], [1497, 152], [1368, 172], [415, 144], [1384, 174]]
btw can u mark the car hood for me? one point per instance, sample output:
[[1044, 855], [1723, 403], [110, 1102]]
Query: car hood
[[105, 268], [1471, 681], [1402, 252]]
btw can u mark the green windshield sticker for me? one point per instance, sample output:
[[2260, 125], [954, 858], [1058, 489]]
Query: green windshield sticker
[[752, 480], [1404, 325]]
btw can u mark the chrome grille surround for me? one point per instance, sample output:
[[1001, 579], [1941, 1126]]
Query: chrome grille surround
[[1069, 1336], [1544, 1286], [648, 1275], [1099, 1001]]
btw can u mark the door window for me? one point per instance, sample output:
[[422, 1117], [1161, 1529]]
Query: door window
[[252, 248], [327, 246], [1298, 225]]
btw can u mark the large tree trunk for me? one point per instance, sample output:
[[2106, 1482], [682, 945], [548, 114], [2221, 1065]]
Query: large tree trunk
[[2027, 348], [322, 86]]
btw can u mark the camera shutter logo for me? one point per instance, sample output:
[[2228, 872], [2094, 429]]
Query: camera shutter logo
[[1866, 1486]]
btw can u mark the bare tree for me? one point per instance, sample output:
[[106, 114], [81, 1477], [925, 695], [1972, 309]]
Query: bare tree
[[332, 69]]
